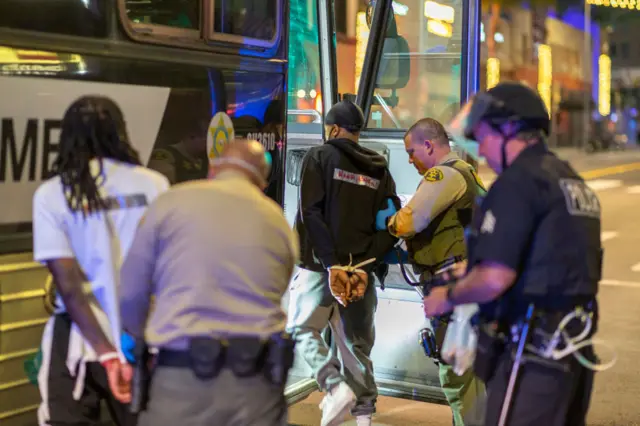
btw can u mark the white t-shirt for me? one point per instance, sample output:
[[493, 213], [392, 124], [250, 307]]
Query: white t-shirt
[[58, 232]]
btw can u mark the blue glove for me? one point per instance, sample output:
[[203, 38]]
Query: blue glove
[[384, 215], [128, 344], [391, 258]]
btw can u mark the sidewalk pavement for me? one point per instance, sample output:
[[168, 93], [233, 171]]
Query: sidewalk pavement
[[580, 160]]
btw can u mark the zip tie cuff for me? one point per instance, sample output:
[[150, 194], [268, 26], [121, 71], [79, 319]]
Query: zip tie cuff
[[354, 268], [109, 356]]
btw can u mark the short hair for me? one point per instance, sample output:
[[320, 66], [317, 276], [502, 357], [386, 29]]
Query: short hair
[[429, 129]]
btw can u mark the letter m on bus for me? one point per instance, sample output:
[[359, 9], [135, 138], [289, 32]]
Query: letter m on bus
[[15, 152]]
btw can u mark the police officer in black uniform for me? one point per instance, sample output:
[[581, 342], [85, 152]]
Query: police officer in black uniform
[[535, 260]]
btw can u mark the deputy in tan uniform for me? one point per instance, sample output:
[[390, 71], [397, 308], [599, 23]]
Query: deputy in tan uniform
[[433, 224], [218, 256]]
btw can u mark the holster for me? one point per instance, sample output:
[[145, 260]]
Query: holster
[[141, 378], [491, 345], [205, 357], [429, 345], [279, 359], [244, 356]]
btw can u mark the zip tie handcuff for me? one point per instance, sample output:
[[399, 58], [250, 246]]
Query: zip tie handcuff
[[354, 268]]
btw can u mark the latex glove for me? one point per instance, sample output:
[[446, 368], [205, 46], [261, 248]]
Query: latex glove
[[128, 345], [383, 215], [391, 258]]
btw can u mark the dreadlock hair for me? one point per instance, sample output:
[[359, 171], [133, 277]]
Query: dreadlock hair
[[93, 127]]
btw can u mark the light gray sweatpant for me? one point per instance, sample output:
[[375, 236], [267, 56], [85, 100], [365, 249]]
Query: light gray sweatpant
[[311, 309], [178, 398]]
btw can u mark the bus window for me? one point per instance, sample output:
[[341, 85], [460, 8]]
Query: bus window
[[84, 18], [239, 20], [423, 57], [164, 16], [304, 104]]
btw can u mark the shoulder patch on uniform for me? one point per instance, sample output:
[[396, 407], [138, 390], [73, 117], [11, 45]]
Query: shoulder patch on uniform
[[434, 175], [477, 179], [161, 155], [488, 223]]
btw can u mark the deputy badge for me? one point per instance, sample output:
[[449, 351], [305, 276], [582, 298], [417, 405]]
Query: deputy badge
[[220, 133], [434, 175]]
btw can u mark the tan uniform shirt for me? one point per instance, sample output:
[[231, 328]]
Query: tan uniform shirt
[[217, 255]]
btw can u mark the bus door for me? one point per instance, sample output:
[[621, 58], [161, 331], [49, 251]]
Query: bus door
[[413, 59], [312, 91], [421, 61]]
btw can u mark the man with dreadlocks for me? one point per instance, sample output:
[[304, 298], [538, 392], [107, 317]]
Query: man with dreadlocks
[[84, 220]]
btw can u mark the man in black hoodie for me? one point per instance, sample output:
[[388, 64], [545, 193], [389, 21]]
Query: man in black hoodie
[[343, 187]]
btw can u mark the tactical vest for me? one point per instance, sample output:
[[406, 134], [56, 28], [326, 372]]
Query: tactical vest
[[187, 168], [443, 240], [562, 264]]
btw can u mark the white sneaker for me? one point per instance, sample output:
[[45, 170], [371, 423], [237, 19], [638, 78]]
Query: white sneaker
[[363, 420], [336, 404]]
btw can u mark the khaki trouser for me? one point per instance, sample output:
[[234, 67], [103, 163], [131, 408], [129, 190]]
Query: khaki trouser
[[311, 309], [465, 394]]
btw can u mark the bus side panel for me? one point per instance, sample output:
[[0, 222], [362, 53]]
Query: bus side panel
[[185, 109]]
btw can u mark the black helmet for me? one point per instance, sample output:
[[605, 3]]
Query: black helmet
[[518, 102], [347, 115], [507, 102]]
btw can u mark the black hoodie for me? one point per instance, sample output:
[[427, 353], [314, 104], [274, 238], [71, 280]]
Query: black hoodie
[[343, 187]]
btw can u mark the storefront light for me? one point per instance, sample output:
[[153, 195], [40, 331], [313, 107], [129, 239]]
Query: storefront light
[[362, 35], [604, 85], [493, 72], [545, 74], [441, 29], [433, 10], [618, 4]]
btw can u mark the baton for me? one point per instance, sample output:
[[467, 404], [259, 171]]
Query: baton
[[513, 377]]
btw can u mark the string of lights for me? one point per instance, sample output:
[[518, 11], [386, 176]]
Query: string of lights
[[620, 4]]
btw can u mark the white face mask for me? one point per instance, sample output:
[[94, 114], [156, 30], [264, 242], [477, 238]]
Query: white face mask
[[243, 165]]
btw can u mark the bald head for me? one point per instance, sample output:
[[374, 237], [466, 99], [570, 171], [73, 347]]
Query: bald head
[[247, 156]]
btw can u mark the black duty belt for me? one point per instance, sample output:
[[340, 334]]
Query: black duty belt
[[432, 269], [244, 356]]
